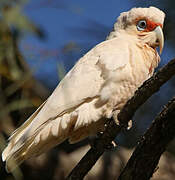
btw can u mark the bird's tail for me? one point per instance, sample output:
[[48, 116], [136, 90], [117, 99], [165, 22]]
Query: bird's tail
[[23, 145], [12, 151], [16, 153]]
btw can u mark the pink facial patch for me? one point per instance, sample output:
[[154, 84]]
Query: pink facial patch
[[151, 25]]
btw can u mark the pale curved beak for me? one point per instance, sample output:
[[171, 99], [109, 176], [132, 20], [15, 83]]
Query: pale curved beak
[[160, 37]]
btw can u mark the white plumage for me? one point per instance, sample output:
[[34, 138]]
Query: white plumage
[[103, 79]]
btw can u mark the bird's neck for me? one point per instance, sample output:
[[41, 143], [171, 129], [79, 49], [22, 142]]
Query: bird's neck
[[150, 56]]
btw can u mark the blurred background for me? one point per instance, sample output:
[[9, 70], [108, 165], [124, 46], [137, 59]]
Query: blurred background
[[39, 42]]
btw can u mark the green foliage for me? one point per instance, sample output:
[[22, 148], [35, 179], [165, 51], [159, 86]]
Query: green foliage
[[19, 91]]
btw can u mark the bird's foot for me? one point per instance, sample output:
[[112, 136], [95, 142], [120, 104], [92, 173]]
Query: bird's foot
[[129, 125], [115, 117], [94, 140], [111, 146]]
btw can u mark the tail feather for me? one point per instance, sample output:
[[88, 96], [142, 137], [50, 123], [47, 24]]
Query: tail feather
[[16, 157], [50, 134], [17, 134], [28, 150]]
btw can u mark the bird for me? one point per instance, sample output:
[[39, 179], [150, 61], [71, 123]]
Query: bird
[[95, 89]]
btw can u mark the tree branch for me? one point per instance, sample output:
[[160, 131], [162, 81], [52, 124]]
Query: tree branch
[[146, 156], [149, 87]]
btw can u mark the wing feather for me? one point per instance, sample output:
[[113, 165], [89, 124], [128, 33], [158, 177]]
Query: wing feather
[[75, 96]]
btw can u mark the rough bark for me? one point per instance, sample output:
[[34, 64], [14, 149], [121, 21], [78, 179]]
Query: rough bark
[[145, 158], [150, 86]]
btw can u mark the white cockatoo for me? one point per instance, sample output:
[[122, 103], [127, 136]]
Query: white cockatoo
[[101, 81]]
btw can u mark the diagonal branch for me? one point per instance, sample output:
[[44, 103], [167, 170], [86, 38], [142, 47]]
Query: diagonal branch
[[149, 87], [146, 156]]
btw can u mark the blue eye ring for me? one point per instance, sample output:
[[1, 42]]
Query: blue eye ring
[[141, 25]]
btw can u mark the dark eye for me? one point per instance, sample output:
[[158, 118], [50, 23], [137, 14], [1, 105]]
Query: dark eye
[[141, 25]]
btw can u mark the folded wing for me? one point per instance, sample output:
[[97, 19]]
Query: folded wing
[[71, 105]]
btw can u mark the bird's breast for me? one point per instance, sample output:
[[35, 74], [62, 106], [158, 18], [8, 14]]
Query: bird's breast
[[140, 67]]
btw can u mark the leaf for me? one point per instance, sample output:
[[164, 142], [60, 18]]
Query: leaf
[[15, 105], [16, 18]]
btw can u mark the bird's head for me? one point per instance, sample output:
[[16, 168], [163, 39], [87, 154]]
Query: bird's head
[[144, 23]]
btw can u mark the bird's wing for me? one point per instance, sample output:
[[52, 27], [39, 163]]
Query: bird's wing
[[82, 84], [84, 81]]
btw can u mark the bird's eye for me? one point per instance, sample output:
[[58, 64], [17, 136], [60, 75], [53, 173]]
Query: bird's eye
[[141, 25]]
